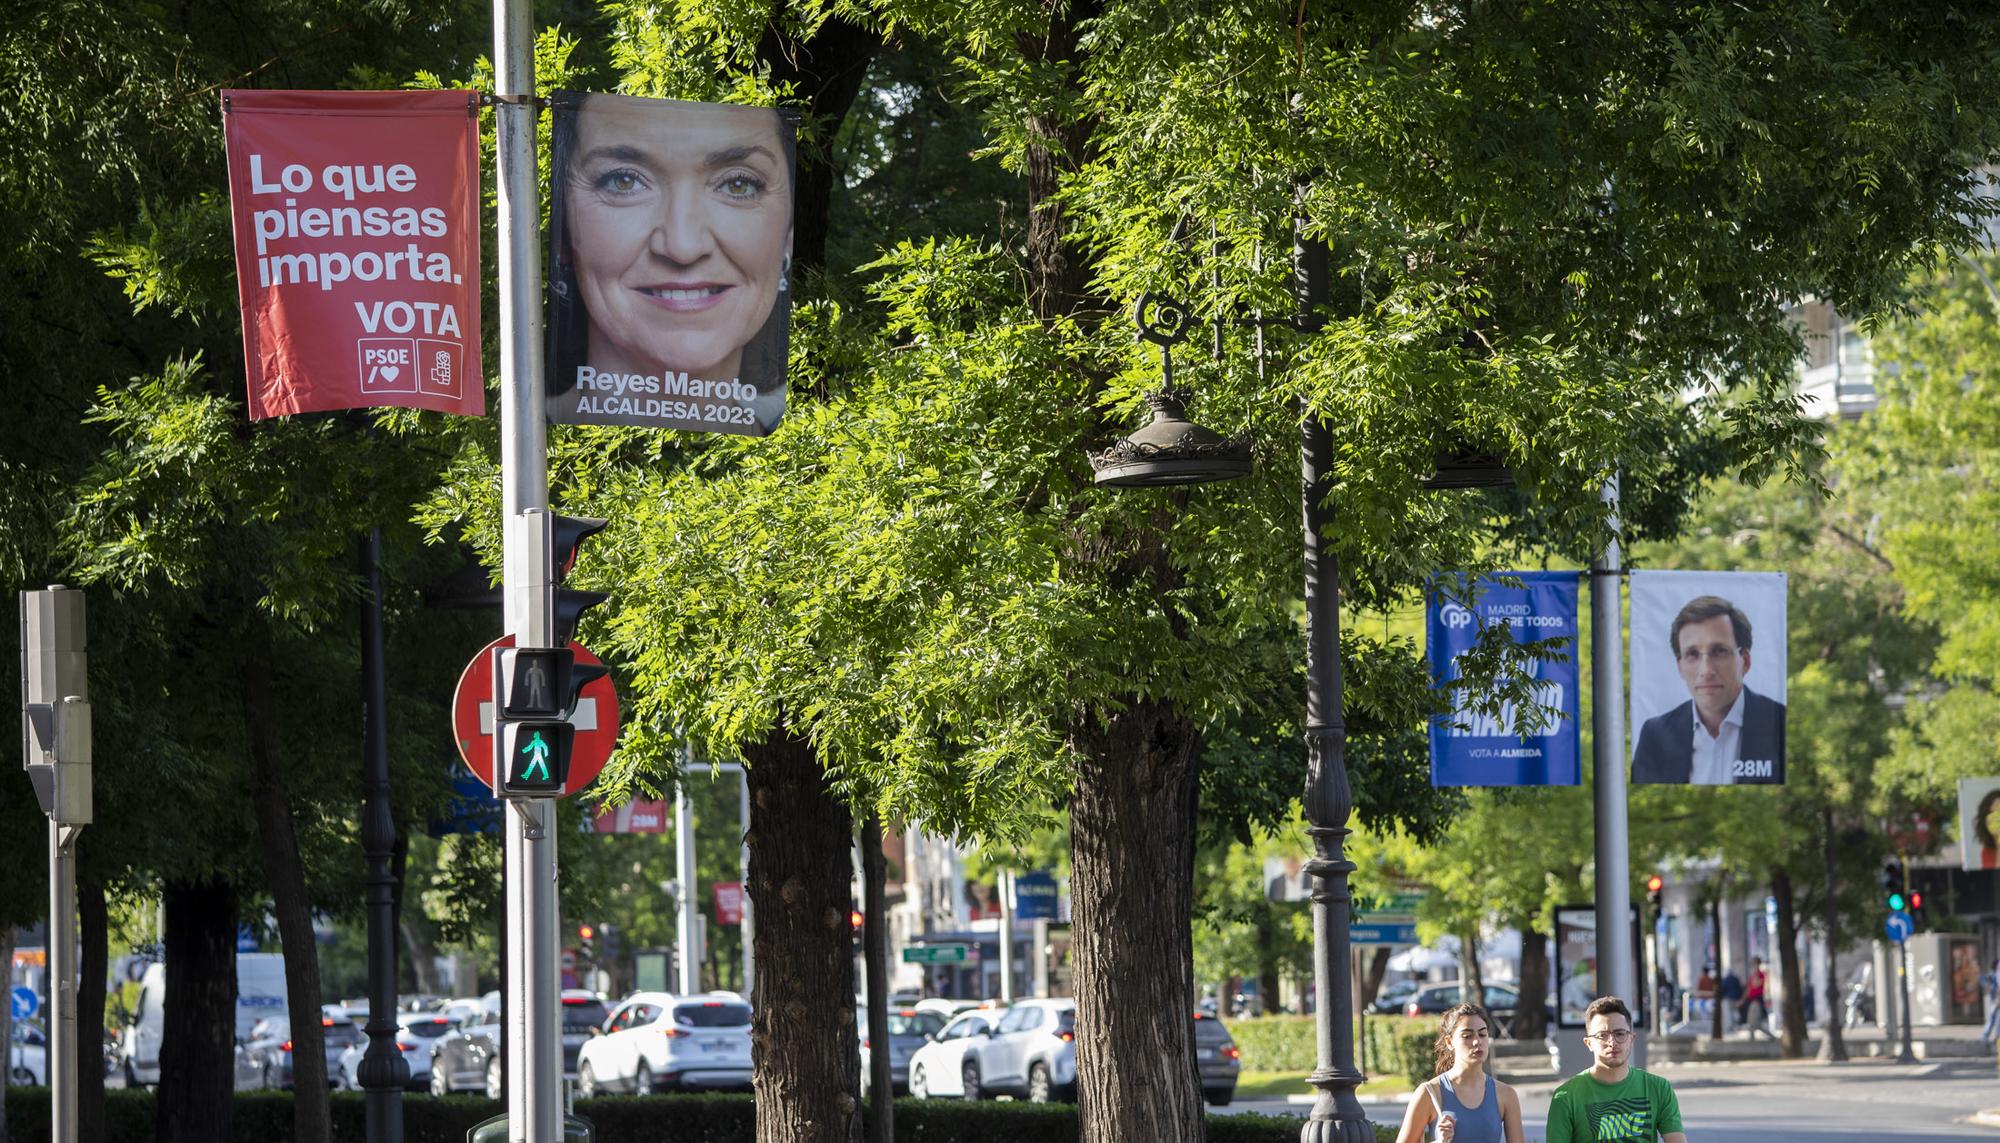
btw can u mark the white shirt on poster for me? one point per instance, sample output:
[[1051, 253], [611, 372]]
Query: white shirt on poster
[[1715, 755]]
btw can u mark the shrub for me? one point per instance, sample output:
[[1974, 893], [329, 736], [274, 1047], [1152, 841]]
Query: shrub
[[1277, 1043]]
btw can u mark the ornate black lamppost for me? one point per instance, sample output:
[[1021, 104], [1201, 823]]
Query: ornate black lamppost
[[1172, 450]]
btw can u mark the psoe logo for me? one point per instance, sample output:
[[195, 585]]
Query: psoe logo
[[1454, 617]]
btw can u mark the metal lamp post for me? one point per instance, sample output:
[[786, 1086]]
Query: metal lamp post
[[1171, 451]]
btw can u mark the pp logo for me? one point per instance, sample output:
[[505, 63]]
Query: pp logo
[[388, 364], [1454, 617]]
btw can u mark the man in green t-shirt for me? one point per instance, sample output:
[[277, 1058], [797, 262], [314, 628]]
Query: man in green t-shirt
[[1613, 1102]]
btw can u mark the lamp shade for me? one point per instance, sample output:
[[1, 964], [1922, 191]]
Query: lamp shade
[[1171, 450]]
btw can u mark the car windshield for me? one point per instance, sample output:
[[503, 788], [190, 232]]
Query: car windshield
[[343, 1034], [712, 1014], [910, 1022], [581, 1015]]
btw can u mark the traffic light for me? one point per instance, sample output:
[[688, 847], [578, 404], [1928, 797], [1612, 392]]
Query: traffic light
[[536, 688], [586, 942], [1655, 891], [1892, 885], [566, 535], [857, 921]]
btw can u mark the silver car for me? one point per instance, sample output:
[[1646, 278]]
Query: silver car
[[909, 1029]]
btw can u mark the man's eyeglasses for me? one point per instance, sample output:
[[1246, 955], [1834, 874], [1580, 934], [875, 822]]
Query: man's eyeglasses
[[1617, 1037], [1715, 654]]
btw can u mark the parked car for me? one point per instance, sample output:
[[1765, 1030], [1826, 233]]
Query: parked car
[[1217, 1058], [909, 1029], [269, 1051], [469, 1058], [657, 1041], [945, 1007], [417, 1034], [1501, 1001], [938, 1068], [462, 1011], [1389, 1000], [28, 1063], [1031, 1053], [582, 1014]]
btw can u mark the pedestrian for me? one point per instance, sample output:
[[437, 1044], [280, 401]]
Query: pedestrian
[[1989, 983], [1732, 994], [1753, 996], [1613, 1102], [1464, 1102]]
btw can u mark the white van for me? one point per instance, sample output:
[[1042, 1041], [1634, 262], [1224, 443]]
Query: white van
[[260, 995]]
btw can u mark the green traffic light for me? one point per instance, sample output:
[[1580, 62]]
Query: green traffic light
[[1896, 902]]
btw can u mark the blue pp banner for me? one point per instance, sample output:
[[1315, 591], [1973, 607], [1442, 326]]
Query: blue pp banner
[[1469, 748]]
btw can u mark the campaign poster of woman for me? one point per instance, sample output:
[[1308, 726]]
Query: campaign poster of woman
[[670, 248]]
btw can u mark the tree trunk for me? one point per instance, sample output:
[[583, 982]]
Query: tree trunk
[[1832, 1047], [6, 1020], [1132, 875], [93, 952], [807, 1073], [1374, 967], [1474, 990], [198, 1041], [423, 952], [1531, 1019], [828, 70], [1792, 1044], [1268, 981], [286, 878], [1059, 275]]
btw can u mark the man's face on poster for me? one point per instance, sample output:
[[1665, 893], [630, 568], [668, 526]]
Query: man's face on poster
[[1712, 665]]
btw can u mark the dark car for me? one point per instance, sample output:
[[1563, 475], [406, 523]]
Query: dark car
[[468, 1057], [1217, 1058], [909, 1029], [274, 1050], [1501, 1001], [582, 1014]]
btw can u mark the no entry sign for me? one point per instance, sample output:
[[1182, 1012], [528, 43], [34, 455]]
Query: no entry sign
[[596, 718]]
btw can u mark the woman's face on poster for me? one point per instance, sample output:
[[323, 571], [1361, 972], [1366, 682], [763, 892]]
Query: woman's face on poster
[[679, 228]]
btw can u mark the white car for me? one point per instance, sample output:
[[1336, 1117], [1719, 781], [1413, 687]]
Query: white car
[[417, 1034], [656, 1041], [1031, 1054], [29, 1065], [938, 1068], [945, 1007]]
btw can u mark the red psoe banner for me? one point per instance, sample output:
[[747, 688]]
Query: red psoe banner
[[357, 248]]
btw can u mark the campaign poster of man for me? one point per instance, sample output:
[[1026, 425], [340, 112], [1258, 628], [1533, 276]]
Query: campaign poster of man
[[1708, 678]]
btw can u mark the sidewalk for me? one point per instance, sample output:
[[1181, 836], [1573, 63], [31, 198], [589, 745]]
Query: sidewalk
[[1948, 1041]]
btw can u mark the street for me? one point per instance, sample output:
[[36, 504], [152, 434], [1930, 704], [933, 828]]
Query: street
[[1759, 1101]]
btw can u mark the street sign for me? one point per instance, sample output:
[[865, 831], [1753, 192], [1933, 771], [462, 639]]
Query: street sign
[[24, 1003], [935, 954], [1382, 934], [1035, 896], [595, 718], [1899, 927]]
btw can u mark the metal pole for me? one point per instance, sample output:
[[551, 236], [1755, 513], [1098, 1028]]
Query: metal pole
[[63, 1074], [874, 955], [1329, 802], [1006, 936], [1615, 956], [383, 1072], [688, 924], [747, 927], [534, 1030], [1905, 1053]]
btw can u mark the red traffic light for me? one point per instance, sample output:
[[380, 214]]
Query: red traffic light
[[585, 932], [1916, 899], [1655, 883], [855, 918]]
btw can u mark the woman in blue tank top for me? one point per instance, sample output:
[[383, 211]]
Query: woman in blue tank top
[[1464, 1103]]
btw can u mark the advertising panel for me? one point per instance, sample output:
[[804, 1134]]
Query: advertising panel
[[1979, 823], [357, 248], [1708, 677], [1473, 747], [670, 255], [1576, 964]]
